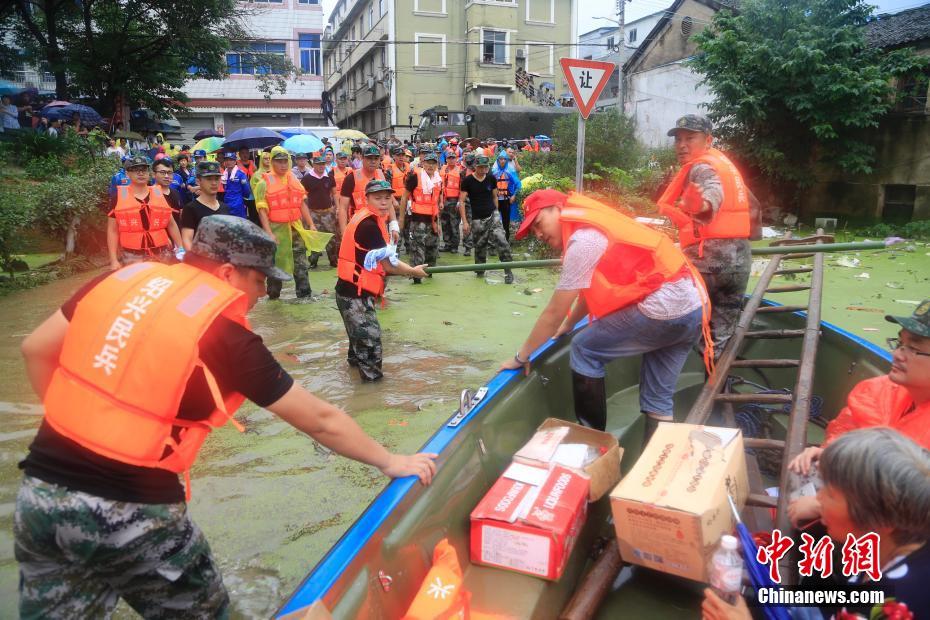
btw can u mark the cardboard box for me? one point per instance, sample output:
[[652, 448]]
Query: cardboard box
[[671, 509], [530, 528], [603, 472]]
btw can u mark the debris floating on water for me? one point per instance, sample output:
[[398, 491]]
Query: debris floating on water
[[865, 309], [870, 329], [894, 285], [848, 261], [863, 276], [758, 266], [909, 302]]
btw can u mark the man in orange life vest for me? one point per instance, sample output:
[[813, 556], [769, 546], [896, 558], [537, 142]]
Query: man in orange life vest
[[423, 190], [352, 197], [101, 513], [340, 171], [709, 203], [638, 287], [452, 174], [366, 257], [140, 226], [898, 400]]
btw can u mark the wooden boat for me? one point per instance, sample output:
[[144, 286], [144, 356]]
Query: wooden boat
[[375, 569]]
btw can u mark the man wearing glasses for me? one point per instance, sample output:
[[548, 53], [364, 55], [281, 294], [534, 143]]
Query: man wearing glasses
[[140, 225], [898, 400], [163, 170]]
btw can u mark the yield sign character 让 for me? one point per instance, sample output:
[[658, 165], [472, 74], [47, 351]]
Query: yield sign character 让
[[586, 79]]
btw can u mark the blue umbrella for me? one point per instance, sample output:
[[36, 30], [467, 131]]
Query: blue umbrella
[[542, 137], [757, 572], [295, 131], [9, 88], [303, 144], [252, 138], [88, 115]]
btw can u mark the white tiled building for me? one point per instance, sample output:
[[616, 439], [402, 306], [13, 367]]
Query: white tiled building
[[292, 28]]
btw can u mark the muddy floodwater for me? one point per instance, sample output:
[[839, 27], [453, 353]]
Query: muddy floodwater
[[271, 501]]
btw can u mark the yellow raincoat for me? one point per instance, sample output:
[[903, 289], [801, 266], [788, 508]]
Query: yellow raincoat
[[313, 240]]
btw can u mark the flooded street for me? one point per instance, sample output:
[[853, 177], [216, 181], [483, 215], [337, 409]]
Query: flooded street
[[271, 501]]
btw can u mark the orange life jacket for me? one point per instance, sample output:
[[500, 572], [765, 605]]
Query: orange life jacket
[[348, 268], [503, 186], [732, 218], [359, 200], [128, 212], [426, 204], [441, 595], [452, 180], [398, 176], [284, 198], [531, 147], [880, 402], [340, 175], [386, 162], [637, 262], [127, 356]]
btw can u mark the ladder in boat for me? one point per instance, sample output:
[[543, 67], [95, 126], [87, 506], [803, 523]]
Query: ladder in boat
[[715, 390]]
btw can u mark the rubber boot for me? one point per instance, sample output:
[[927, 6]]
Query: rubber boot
[[590, 401], [651, 425]]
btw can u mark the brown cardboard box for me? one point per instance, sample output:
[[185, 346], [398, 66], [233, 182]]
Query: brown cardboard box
[[603, 472], [671, 509]]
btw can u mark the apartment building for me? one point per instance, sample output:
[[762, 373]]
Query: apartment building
[[385, 61], [292, 29]]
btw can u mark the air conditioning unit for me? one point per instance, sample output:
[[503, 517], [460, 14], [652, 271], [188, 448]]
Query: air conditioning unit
[[521, 53]]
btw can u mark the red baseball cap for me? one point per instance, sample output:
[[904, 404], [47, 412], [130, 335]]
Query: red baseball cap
[[536, 202]]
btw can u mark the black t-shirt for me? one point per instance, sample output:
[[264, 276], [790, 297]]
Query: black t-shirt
[[479, 195], [348, 186], [194, 211], [368, 236], [319, 190], [238, 360]]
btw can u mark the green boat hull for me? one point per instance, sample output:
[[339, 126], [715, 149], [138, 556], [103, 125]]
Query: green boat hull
[[375, 573]]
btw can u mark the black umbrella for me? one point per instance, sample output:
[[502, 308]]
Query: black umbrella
[[208, 133], [252, 138], [89, 116]]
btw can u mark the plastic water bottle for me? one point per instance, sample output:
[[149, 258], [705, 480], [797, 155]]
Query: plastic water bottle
[[726, 570]]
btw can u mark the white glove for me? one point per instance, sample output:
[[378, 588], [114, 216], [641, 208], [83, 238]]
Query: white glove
[[393, 226], [179, 254]]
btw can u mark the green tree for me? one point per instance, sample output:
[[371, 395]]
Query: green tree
[[795, 84], [142, 50], [609, 142]]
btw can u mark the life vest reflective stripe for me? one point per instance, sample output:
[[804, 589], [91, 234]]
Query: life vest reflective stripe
[[284, 198], [128, 212], [398, 176], [359, 200], [441, 595], [732, 218], [128, 354], [349, 269], [340, 175], [503, 186], [637, 262], [426, 204], [452, 181]]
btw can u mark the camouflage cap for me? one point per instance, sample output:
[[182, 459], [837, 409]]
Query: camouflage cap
[[481, 160], [236, 240], [377, 185], [918, 323], [208, 169], [281, 155], [137, 161], [371, 151], [398, 150], [301, 156], [430, 156], [692, 122], [342, 155], [319, 158]]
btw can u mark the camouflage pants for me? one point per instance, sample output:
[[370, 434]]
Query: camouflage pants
[[724, 266], [79, 554], [450, 225], [325, 221], [489, 233], [424, 243], [468, 241], [301, 267], [364, 331]]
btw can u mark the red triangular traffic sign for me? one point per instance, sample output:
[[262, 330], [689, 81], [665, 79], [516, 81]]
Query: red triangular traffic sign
[[586, 79]]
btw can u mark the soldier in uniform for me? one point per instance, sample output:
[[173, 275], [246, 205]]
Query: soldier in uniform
[[481, 189], [423, 190], [468, 161], [321, 199], [709, 203], [101, 513], [451, 174], [365, 259]]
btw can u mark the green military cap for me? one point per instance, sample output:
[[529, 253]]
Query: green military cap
[[481, 160], [137, 161], [236, 240], [208, 169], [371, 151], [281, 155], [341, 155], [398, 150], [319, 158], [918, 323], [377, 185], [692, 122], [469, 158], [430, 156]]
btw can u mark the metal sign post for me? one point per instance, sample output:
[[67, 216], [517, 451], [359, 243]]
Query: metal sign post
[[586, 79]]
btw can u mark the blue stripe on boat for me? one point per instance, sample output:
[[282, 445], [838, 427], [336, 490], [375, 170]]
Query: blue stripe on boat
[[331, 567]]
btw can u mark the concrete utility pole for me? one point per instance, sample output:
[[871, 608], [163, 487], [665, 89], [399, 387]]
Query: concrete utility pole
[[621, 13]]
